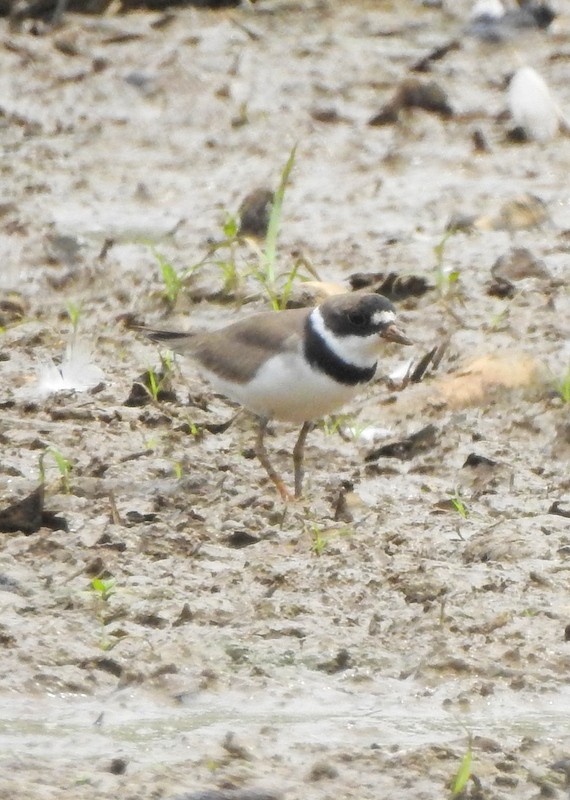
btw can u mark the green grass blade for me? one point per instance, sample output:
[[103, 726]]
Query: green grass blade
[[270, 252], [463, 773]]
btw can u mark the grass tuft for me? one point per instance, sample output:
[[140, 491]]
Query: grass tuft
[[562, 386], [224, 256]]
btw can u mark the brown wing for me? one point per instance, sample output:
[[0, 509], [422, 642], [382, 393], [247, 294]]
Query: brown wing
[[237, 351]]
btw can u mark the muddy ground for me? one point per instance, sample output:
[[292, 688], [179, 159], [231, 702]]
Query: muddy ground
[[353, 644]]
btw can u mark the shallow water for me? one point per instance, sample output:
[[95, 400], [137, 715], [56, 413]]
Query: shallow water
[[139, 726]]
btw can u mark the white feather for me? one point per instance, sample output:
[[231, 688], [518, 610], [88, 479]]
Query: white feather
[[532, 106], [77, 372]]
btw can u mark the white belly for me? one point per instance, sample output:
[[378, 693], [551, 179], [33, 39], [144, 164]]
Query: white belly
[[287, 389]]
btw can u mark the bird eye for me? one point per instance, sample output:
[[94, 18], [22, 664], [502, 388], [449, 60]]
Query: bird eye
[[357, 318]]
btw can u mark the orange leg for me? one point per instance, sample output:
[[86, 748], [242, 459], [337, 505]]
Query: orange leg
[[261, 453]]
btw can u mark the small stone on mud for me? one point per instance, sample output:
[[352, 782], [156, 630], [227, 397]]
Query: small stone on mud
[[28, 515], [322, 770], [506, 780], [136, 518], [473, 460], [8, 584], [563, 765], [118, 766], [327, 115], [519, 213], [486, 744], [105, 665], [340, 662], [63, 249], [239, 539], [235, 749], [424, 439], [480, 143], [12, 310], [237, 653], [413, 93], [254, 213], [501, 287], [185, 615], [556, 509], [151, 621], [517, 264], [96, 568], [392, 285]]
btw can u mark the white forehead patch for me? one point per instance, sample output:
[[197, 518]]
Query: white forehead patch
[[383, 317]]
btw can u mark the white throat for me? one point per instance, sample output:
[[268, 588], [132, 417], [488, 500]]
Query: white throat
[[361, 351]]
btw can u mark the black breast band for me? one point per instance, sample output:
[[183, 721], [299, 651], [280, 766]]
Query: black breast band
[[321, 357]]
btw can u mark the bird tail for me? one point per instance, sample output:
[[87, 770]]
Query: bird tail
[[175, 340]]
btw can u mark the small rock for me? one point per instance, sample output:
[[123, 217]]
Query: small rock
[[322, 770], [28, 515], [517, 264], [520, 213], [235, 749], [118, 766], [255, 212], [424, 439], [412, 93], [339, 663], [490, 21]]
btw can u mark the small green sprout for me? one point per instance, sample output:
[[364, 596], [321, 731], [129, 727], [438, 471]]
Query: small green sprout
[[280, 301], [172, 281], [74, 312], [195, 430], [319, 541], [320, 538], [445, 278], [155, 381], [345, 425], [562, 386], [459, 505], [104, 588], [463, 773], [153, 384], [63, 465], [501, 320], [230, 227], [231, 275]]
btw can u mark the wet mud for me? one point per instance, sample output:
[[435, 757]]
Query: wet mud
[[179, 631]]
